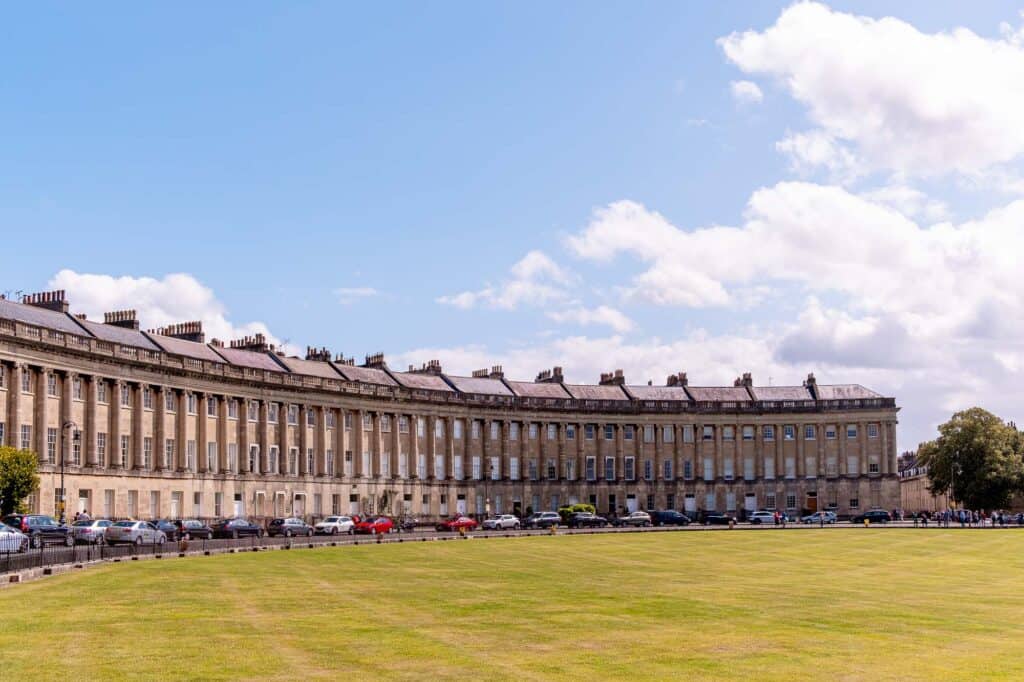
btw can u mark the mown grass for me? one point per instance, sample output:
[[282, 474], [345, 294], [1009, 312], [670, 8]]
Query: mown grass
[[833, 604]]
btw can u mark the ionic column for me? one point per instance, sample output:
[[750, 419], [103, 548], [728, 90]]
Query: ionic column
[[243, 436], [283, 453], [357, 447], [414, 440], [14, 404], [201, 437], [320, 440], [159, 437], [801, 469], [135, 460], [90, 421], [39, 421], [304, 441], [223, 465], [114, 428], [181, 428], [862, 441], [263, 436]]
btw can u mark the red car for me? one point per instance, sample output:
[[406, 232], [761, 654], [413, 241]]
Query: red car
[[456, 523], [375, 525]]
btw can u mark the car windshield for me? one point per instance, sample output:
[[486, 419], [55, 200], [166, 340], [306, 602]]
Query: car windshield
[[125, 524], [82, 523], [331, 519]]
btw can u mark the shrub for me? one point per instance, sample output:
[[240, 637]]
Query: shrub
[[570, 509]]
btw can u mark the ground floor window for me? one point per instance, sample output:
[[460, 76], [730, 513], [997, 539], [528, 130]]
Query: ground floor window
[[790, 501], [769, 501], [854, 503]]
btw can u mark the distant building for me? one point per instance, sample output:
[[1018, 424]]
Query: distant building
[[161, 423], [914, 482]]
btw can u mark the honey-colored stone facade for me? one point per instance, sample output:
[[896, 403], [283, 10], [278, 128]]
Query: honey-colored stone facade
[[153, 434]]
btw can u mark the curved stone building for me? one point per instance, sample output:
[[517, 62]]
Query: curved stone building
[[161, 423]]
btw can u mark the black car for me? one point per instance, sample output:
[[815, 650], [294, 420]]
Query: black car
[[289, 527], [169, 528], [715, 518], [874, 516], [236, 528], [669, 517], [40, 529], [586, 520], [191, 529]]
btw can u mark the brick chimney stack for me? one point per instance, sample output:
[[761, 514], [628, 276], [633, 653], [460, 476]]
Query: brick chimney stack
[[340, 359], [550, 376], [430, 367], [257, 343], [51, 300], [497, 372], [318, 354], [678, 379], [122, 318], [616, 378], [811, 384], [375, 361], [186, 331]]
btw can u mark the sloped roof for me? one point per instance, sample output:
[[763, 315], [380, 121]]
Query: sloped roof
[[422, 382], [249, 358], [479, 385], [531, 389], [366, 375], [121, 335], [845, 392], [716, 394], [659, 393], [313, 368], [587, 392], [781, 393], [30, 314], [189, 349]]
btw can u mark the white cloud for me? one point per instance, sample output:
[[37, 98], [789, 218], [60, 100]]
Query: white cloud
[[746, 92], [350, 295], [534, 280], [601, 315], [911, 202], [921, 103], [816, 149], [177, 297]]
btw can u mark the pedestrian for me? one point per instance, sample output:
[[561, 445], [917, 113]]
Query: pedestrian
[[85, 515]]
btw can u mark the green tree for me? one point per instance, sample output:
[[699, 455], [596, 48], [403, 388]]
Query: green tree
[[977, 458], [18, 478]]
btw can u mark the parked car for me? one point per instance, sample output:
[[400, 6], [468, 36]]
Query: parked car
[[375, 525], [502, 522], [761, 518], [542, 520], [714, 518], [40, 529], [873, 515], [193, 529], [586, 520], [134, 533], [669, 517], [830, 517], [168, 528], [236, 528], [288, 527], [12, 540], [90, 531], [333, 525], [407, 524], [634, 519], [456, 523]]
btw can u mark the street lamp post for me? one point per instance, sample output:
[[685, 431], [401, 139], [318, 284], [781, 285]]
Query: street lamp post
[[63, 447]]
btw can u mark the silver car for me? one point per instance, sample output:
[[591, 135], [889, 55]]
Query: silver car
[[12, 540], [90, 531], [333, 525], [502, 522], [134, 533]]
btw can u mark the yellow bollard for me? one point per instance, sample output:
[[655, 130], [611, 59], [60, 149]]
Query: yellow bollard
[[554, 529], [462, 531], [867, 522]]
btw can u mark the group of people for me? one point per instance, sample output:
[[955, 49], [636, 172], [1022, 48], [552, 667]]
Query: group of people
[[968, 518]]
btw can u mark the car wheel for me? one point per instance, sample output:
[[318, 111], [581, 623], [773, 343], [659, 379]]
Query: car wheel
[[516, 527], [161, 540], [259, 533], [334, 531], [287, 533]]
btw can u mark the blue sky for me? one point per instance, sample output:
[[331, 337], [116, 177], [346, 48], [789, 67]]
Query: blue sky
[[339, 175]]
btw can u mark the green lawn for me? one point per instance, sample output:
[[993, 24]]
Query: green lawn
[[796, 605]]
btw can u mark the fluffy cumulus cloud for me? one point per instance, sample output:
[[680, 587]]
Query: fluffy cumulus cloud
[[533, 280], [601, 315], [174, 298], [891, 95], [746, 92]]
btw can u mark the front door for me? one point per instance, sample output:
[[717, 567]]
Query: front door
[[811, 502], [750, 502], [631, 504]]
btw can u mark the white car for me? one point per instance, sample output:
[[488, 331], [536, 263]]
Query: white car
[[761, 517], [333, 525], [12, 540], [502, 522], [134, 533]]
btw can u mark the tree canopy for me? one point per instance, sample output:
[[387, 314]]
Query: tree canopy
[[18, 478], [977, 458]]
